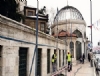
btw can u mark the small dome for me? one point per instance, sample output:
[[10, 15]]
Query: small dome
[[68, 12]]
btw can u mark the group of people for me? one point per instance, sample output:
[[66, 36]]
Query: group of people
[[68, 57], [82, 58], [54, 60]]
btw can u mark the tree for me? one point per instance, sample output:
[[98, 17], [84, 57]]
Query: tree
[[9, 8]]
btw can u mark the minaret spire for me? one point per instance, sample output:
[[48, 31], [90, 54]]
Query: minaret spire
[[67, 2]]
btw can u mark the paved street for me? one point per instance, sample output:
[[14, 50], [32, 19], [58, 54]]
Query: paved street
[[82, 70]]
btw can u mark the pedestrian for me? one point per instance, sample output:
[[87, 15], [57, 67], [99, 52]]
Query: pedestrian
[[91, 57], [80, 59], [83, 57], [68, 57], [54, 61], [88, 57]]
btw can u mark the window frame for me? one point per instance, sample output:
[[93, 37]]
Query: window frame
[[1, 47], [29, 13], [48, 61], [42, 27]]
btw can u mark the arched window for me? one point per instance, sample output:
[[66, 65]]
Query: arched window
[[84, 34], [72, 48], [78, 33]]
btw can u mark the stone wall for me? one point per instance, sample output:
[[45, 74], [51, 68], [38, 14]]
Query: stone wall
[[14, 35]]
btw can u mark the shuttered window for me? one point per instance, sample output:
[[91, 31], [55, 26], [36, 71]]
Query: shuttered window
[[0, 51], [39, 62], [23, 61], [48, 61], [0, 60]]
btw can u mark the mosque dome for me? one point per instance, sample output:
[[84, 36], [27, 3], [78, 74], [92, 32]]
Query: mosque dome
[[68, 12]]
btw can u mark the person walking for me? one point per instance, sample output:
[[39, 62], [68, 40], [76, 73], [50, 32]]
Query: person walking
[[54, 61], [83, 57], [68, 57], [88, 57], [91, 57]]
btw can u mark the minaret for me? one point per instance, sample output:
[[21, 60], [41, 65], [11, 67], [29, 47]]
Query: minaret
[[67, 2], [21, 3]]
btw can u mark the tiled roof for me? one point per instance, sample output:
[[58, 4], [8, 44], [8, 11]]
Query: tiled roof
[[64, 34]]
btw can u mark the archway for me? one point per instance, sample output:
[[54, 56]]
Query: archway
[[78, 50], [78, 33], [72, 48]]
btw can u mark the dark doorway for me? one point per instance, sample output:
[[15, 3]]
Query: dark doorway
[[0, 60], [0, 51], [39, 62], [48, 60], [63, 58], [23, 61], [59, 58], [72, 48], [78, 50]]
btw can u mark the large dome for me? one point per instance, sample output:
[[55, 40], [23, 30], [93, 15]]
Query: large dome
[[68, 12]]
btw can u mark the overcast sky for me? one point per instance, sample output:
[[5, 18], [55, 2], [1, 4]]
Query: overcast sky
[[82, 5]]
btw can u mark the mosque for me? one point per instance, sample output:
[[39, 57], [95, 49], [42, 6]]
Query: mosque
[[18, 41], [70, 25]]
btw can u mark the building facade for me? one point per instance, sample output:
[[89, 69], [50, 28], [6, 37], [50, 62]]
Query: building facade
[[17, 46], [70, 25], [18, 41], [31, 17]]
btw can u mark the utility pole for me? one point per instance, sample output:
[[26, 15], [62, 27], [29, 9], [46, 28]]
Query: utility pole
[[67, 2], [66, 47], [91, 30], [91, 22], [57, 42], [36, 57]]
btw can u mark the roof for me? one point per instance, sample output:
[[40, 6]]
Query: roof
[[64, 34], [39, 17], [74, 12], [36, 17]]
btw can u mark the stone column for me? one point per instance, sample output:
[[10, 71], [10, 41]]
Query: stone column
[[82, 45], [51, 53], [10, 61], [65, 54], [44, 62], [58, 59], [62, 58], [74, 49]]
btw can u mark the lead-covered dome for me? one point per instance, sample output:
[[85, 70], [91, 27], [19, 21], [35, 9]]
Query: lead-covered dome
[[68, 12]]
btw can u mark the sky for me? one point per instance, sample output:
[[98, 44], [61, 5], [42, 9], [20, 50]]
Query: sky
[[82, 5]]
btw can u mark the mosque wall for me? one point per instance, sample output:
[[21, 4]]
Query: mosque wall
[[16, 38], [75, 26]]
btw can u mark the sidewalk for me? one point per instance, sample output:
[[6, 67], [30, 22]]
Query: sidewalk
[[82, 70]]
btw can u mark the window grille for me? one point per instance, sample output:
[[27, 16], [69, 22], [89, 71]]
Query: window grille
[[42, 27], [48, 61], [23, 61], [39, 62], [30, 13]]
